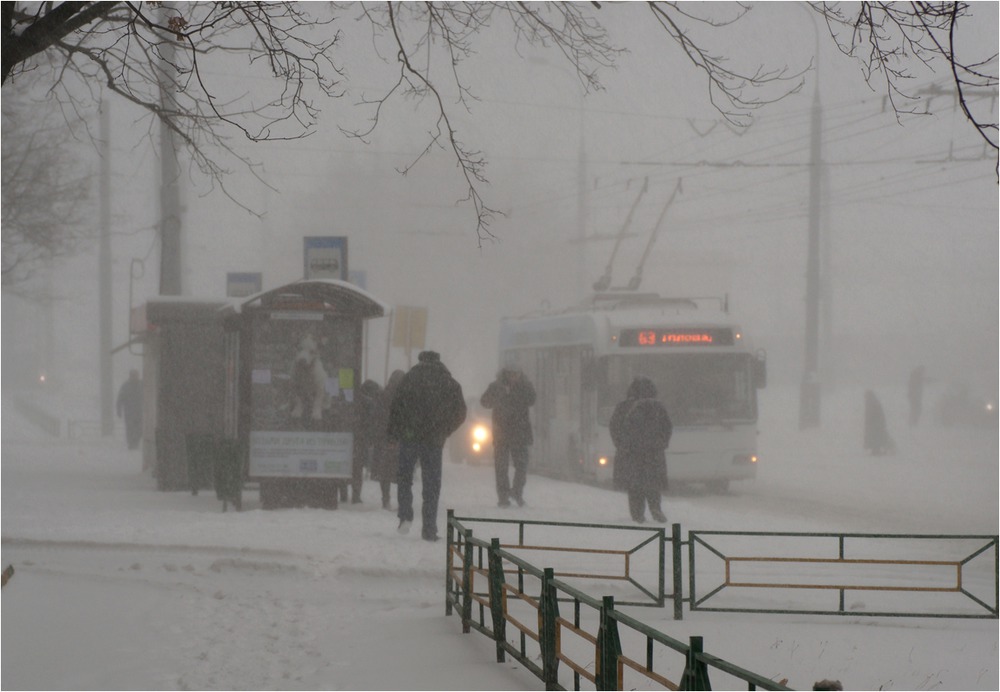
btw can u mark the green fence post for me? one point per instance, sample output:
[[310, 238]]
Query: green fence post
[[496, 598], [609, 647], [675, 550], [691, 597], [467, 584], [449, 541], [695, 670], [547, 636]]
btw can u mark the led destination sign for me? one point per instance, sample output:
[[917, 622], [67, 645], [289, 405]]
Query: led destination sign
[[719, 336]]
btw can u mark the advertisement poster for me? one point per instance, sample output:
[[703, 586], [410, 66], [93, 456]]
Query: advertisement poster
[[317, 454], [302, 386]]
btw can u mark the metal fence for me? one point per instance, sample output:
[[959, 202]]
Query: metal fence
[[549, 614], [592, 643], [885, 575]]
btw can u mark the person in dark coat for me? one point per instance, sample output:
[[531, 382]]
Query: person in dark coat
[[385, 453], [877, 440], [510, 396], [129, 407], [641, 430], [428, 407], [366, 431]]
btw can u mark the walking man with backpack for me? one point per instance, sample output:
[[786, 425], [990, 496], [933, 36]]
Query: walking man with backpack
[[427, 408]]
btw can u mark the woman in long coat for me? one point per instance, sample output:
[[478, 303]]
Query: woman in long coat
[[369, 430], [385, 454], [641, 430], [877, 439]]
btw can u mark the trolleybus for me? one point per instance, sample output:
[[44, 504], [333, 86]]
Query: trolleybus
[[582, 360]]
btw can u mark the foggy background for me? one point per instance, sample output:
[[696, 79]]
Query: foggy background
[[909, 209]]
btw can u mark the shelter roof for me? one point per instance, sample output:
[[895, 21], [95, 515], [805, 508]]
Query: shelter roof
[[339, 295], [161, 309]]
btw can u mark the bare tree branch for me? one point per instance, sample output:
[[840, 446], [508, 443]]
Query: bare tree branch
[[45, 191], [734, 93], [887, 37], [173, 61]]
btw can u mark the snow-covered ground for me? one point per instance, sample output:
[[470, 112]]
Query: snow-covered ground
[[118, 586]]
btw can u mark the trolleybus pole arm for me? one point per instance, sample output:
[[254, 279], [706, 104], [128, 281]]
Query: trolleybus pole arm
[[636, 280]]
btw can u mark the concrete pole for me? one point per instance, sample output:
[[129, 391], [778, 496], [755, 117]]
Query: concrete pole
[[830, 362], [170, 203], [810, 394], [583, 280], [104, 278]]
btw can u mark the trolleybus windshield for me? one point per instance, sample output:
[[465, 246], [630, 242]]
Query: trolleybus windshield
[[696, 388]]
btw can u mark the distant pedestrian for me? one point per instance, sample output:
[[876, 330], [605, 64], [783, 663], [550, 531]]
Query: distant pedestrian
[[366, 432], [641, 429], [129, 407], [915, 393], [385, 452], [876, 438], [510, 396], [428, 407]]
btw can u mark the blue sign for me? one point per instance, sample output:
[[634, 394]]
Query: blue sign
[[325, 257], [243, 284]]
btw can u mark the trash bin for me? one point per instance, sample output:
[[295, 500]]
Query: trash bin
[[229, 473], [200, 454]]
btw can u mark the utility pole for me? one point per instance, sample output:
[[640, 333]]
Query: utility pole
[[809, 393], [104, 278], [582, 282], [170, 203], [830, 364]]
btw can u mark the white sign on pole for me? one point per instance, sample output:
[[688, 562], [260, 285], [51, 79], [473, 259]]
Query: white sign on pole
[[325, 257]]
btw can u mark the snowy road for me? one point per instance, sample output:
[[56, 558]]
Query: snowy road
[[180, 617], [118, 586]]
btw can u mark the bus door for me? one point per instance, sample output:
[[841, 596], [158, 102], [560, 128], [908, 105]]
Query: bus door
[[544, 408], [568, 447], [588, 401]]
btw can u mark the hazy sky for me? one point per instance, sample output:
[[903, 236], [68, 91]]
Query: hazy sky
[[910, 211]]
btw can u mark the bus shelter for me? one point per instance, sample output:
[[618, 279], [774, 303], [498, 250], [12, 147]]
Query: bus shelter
[[183, 385], [294, 360]]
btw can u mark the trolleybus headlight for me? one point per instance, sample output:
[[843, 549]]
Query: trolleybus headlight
[[602, 461], [745, 459], [480, 434]]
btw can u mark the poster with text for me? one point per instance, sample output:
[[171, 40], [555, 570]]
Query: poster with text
[[302, 392]]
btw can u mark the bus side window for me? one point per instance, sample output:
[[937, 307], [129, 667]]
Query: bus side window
[[591, 376]]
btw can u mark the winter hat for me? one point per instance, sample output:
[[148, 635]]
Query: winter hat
[[641, 388], [429, 357]]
